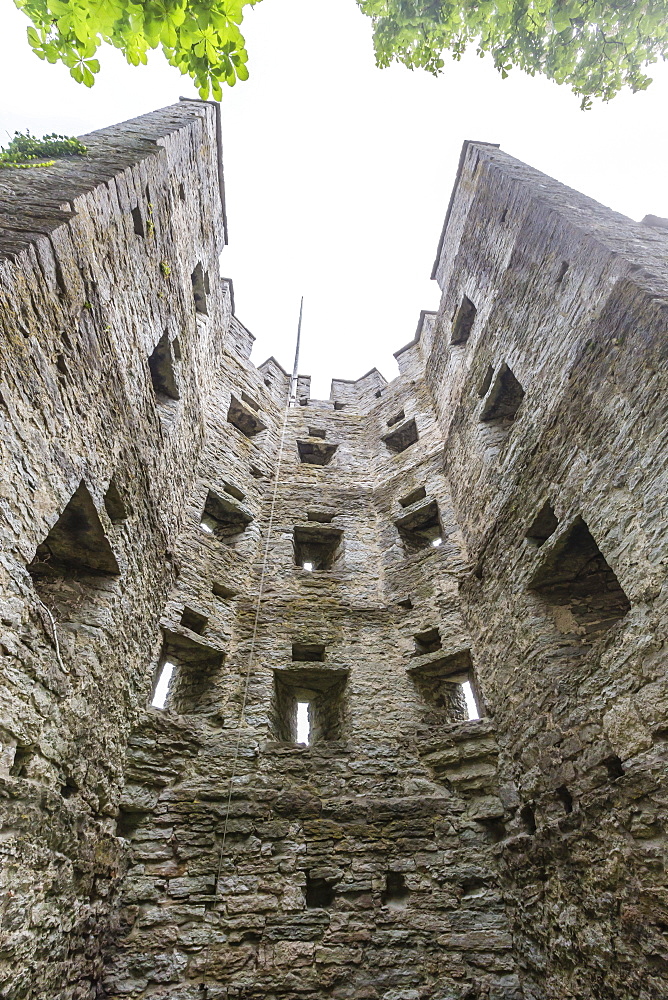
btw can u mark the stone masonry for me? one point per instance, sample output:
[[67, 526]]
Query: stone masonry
[[483, 536]]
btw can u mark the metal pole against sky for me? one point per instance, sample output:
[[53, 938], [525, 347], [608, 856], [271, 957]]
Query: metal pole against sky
[[293, 383]]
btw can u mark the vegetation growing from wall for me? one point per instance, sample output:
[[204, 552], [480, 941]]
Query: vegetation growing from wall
[[594, 48], [25, 151]]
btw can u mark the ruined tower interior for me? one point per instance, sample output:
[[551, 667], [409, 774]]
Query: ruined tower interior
[[361, 698]]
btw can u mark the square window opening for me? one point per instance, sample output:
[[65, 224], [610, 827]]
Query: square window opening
[[420, 528], [579, 587], [339, 406], [244, 419], [315, 452], [318, 547], [75, 551], [427, 642], [224, 519], [319, 893], [189, 677], [402, 438], [396, 891], [447, 690], [504, 398], [315, 432], [193, 620], [308, 705]]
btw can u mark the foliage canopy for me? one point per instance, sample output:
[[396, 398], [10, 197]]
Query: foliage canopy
[[595, 48], [200, 37]]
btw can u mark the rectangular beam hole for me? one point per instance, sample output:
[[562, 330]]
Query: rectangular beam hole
[[312, 652]]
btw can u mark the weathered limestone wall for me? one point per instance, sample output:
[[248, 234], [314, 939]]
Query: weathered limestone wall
[[573, 298], [492, 515], [84, 301], [361, 865]]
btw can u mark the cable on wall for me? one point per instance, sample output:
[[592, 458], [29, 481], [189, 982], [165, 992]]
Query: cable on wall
[[290, 401]]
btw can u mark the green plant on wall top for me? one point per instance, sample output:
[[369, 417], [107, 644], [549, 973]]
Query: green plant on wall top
[[200, 37], [595, 48], [25, 151]]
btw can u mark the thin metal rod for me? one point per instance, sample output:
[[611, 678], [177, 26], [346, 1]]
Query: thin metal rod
[[293, 381]]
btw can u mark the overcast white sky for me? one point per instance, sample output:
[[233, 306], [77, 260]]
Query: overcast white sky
[[338, 174]]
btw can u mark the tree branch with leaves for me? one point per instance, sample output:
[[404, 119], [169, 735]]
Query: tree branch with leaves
[[594, 48], [201, 38]]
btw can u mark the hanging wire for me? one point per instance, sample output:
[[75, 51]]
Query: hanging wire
[[256, 620]]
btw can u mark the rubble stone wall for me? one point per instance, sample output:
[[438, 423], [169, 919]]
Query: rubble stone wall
[[493, 516], [573, 299]]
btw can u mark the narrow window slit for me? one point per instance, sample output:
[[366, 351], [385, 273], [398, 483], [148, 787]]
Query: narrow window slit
[[303, 722], [200, 283], [138, 222], [163, 370], [463, 324], [159, 699]]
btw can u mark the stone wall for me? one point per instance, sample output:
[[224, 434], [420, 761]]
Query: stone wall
[[490, 518], [567, 619], [85, 300]]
